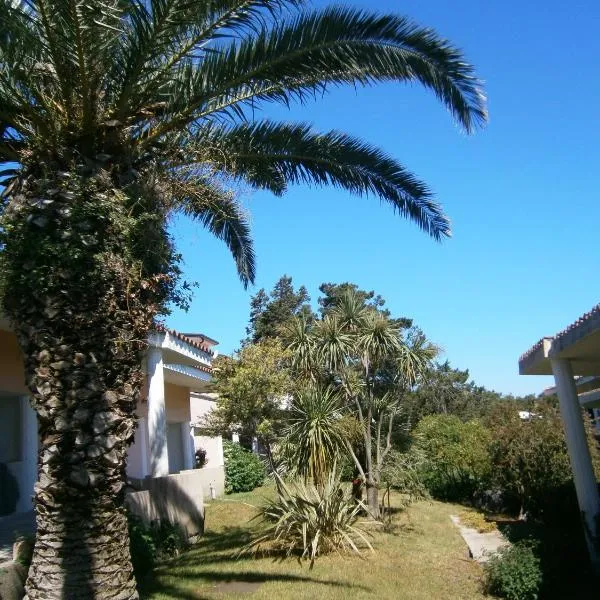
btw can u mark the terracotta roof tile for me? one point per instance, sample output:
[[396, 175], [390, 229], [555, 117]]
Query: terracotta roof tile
[[594, 312], [184, 338]]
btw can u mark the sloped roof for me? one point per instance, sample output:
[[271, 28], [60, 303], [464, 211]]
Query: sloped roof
[[181, 336]]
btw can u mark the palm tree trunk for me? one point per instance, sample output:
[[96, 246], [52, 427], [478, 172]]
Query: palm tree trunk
[[81, 309], [82, 544]]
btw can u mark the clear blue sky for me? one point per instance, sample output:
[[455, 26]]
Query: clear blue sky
[[522, 195]]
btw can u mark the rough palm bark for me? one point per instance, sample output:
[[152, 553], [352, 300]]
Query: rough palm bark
[[116, 114], [82, 312]]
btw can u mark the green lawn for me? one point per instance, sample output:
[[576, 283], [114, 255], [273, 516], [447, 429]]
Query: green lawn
[[424, 559]]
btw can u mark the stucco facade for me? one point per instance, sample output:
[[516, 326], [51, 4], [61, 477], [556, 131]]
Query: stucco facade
[[164, 442]]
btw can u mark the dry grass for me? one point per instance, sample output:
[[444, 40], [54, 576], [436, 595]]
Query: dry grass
[[476, 520], [423, 559]]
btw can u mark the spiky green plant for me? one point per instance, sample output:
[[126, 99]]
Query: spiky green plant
[[116, 115], [309, 521], [361, 352], [314, 436]]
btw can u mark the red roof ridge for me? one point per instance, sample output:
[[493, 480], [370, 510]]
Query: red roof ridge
[[183, 338], [595, 311]]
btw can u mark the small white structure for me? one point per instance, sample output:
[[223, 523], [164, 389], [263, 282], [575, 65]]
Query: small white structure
[[177, 368], [200, 405], [573, 352]]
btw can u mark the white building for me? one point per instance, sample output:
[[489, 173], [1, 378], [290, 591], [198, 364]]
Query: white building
[[178, 370]]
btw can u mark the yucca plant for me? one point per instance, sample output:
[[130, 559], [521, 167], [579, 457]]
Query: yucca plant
[[309, 521], [116, 115], [369, 360], [314, 437]]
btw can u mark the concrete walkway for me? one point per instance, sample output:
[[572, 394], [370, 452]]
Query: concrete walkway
[[10, 527], [481, 545]]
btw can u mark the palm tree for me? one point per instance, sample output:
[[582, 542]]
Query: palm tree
[[373, 364], [116, 115]]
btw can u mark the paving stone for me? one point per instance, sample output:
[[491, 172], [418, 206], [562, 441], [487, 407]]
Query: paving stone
[[481, 545]]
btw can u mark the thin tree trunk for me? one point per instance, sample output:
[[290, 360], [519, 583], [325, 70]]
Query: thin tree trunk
[[373, 498], [81, 309]]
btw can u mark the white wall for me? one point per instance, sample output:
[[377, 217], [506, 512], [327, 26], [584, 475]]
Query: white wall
[[138, 455], [200, 405]]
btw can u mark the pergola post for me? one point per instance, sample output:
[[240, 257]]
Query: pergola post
[[157, 422], [579, 453]]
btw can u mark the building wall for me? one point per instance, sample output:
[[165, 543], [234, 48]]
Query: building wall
[[138, 457], [12, 377], [177, 403], [200, 405], [18, 447]]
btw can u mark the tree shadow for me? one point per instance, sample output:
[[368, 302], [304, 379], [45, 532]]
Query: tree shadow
[[566, 569], [153, 585]]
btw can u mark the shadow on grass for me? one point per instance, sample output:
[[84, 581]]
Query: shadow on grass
[[566, 569], [201, 564], [207, 577]]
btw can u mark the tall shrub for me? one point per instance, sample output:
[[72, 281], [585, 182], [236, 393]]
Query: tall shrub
[[530, 460], [456, 456], [244, 470]]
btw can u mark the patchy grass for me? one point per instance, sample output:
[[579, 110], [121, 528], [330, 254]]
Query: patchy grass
[[422, 558], [476, 520]]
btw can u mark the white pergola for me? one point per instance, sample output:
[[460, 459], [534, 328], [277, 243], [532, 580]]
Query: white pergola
[[574, 352]]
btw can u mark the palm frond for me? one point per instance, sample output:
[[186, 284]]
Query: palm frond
[[333, 345], [314, 433], [415, 358], [351, 311], [164, 33], [272, 155], [311, 521], [297, 338], [218, 211], [296, 59], [377, 340]]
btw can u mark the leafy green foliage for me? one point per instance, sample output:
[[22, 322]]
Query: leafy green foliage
[[456, 456], [530, 460], [333, 294], [312, 520], [162, 88], [244, 470], [250, 388], [403, 473], [368, 358], [444, 390], [269, 312], [514, 573], [314, 435], [199, 458], [149, 544]]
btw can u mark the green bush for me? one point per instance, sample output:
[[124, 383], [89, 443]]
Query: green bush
[[244, 471], [514, 573], [530, 461], [149, 544], [310, 520], [456, 460], [141, 545]]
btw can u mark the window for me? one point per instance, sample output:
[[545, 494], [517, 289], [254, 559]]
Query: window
[[11, 429]]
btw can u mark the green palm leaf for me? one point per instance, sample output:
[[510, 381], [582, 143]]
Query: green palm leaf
[[220, 213], [273, 155], [297, 59]]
